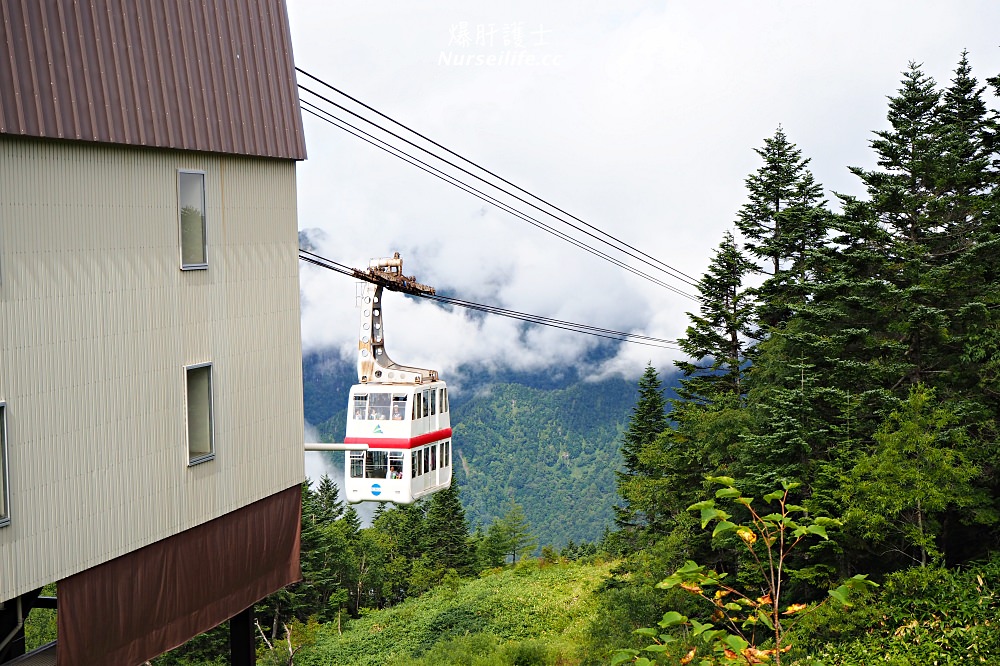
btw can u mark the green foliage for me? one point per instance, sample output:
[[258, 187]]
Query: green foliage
[[918, 469], [208, 649], [744, 627], [40, 625], [530, 615], [923, 615], [716, 338]]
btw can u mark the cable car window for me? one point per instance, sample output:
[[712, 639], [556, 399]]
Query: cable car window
[[414, 464], [426, 402], [360, 406], [395, 464], [398, 406], [434, 451], [446, 453], [433, 402], [357, 464], [427, 461], [375, 464], [416, 407], [378, 406], [441, 401]]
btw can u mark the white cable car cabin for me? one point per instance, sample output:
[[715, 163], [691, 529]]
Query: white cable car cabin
[[408, 433], [400, 413]]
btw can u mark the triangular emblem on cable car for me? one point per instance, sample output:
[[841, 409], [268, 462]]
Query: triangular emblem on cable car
[[377, 430]]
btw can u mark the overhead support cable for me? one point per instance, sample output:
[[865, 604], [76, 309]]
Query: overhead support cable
[[622, 336], [326, 116], [664, 266], [594, 233]]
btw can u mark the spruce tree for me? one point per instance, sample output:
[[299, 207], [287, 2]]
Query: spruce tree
[[902, 198], [707, 412], [783, 220], [328, 505], [492, 548], [445, 535], [352, 521], [716, 339], [647, 421]]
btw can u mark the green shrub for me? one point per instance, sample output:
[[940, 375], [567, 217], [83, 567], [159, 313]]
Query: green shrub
[[928, 615]]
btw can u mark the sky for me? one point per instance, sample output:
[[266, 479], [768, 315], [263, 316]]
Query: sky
[[640, 118]]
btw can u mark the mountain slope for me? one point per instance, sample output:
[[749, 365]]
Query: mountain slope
[[553, 452]]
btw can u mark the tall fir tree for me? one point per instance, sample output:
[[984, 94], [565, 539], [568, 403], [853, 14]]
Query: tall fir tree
[[717, 338], [648, 420], [445, 537], [707, 413], [783, 220], [329, 507], [673, 462]]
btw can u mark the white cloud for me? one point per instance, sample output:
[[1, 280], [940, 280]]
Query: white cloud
[[640, 119]]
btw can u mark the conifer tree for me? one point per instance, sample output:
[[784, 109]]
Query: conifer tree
[[328, 505], [784, 219], [647, 421], [717, 340], [492, 548], [352, 520], [445, 536], [707, 412], [902, 199]]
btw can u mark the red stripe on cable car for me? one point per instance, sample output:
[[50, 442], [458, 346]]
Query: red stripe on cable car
[[375, 442]]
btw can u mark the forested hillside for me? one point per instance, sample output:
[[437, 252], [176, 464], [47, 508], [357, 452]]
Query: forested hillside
[[553, 452]]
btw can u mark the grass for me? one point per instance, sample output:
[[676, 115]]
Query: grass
[[532, 613]]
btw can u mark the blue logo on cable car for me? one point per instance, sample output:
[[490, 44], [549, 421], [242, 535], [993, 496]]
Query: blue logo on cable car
[[378, 429], [376, 489]]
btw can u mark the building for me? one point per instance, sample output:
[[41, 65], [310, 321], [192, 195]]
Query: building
[[150, 354]]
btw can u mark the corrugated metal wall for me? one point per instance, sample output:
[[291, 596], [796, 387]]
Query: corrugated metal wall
[[97, 322], [212, 75]]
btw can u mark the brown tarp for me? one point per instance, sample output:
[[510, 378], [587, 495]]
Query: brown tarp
[[142, 604]]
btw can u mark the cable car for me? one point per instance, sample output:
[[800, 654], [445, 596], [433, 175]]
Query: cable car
[[398, 417]]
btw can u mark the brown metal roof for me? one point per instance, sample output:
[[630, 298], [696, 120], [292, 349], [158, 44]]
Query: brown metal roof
[[212, 75]]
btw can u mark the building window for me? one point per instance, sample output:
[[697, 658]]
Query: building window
[[191, 201], [4, 480], [201, 445]]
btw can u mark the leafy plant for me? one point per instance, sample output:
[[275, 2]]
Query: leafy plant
[[745, 628]]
